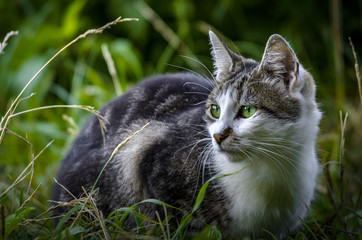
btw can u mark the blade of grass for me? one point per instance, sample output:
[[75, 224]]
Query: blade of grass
[[270, 234], [356, 68], [2, 222], [65, 218], [32, 155], [112, 69], [132, 211], [79, 201], [166, 32], [308, 228], [316, 223], [21, 177], [115, 151], [71, 194], [86, 108], [343, 122], [200, 197], [89, 196], [6, 38], [161, 225], [167, 226], [14, 219], [158, 202], [337, 37], [30, 197], [98, 214]]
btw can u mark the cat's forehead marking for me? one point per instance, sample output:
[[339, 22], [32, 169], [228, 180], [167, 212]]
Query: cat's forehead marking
[[234, 86], [254, 89]]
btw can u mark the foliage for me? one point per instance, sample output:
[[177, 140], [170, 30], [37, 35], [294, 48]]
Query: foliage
[[169, 36]]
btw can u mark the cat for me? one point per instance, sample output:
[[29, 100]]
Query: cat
[[256, 122]]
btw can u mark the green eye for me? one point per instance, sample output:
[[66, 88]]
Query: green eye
[[247, 111], [215, 111]]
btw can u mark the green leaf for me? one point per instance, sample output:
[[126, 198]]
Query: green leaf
[[308, 228], [300, 236], [200, 196], [71, 18], [12, 221], [68, 232], [158, 202], [270, 235], [209, 233], [183, 224], [128, 59], [65, 218]]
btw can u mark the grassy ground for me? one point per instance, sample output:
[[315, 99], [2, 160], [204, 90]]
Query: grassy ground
[[33, 140]]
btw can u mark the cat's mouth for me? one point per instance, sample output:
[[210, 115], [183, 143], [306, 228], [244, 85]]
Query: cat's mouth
[[225, 149], [232, 154]]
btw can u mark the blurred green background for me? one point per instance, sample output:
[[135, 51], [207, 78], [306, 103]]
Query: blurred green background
[[164, 39]]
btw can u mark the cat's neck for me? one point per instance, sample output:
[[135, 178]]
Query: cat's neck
[[274, 182]]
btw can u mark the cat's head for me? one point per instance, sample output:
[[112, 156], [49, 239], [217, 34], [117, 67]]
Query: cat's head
[[258, 107]]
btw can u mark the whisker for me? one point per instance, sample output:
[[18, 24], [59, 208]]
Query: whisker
[[202, 162], [202, 64], [207, 80], [193, 148], [275, 158], [199, 103], [200, 93], [197, 84]]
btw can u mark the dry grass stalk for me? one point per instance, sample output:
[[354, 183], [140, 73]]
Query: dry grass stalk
[[6, 38], [6, 118], [89, 199], [343, 122], [356, 68], [166, 32], [30, 197], [112, 69], [115, 151], [86, 108], [315, 222], [24, 173], [161, 225], [32, 155]]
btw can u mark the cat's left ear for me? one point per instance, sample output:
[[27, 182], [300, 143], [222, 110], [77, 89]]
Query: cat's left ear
[[280, 61], [222, 56]]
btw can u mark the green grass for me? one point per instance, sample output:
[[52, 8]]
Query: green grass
[[36, 129]]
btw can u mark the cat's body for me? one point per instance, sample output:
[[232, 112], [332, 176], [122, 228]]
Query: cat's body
[[260, 117]]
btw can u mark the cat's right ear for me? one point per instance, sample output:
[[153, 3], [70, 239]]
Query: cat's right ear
[[222, 56], [280, 61]]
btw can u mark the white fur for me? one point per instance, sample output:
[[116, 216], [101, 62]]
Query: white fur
[[126, 162], [266, 193]]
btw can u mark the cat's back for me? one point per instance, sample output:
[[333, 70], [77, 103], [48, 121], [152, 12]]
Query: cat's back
[[167, 98], [163, 98], [173, 104]]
